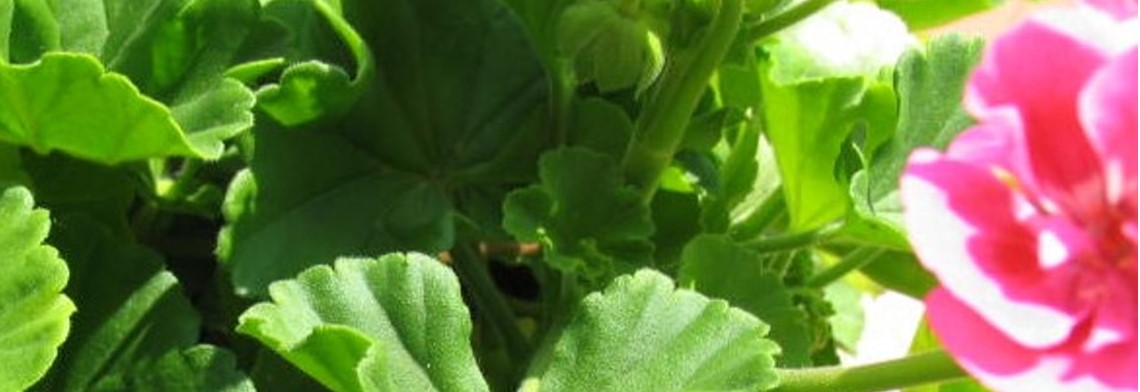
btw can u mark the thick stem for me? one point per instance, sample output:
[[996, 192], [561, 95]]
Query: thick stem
[[477, 280], [661, 126], [786, 19], [915, 370], [852, 261]]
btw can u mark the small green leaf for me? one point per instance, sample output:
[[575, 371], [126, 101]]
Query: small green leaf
[[930, 83], [312, 89], [923, 14], [643, 334], [717, 267], [34, 315], [601, 126], [586, 218], [199, 368], [396, 323]]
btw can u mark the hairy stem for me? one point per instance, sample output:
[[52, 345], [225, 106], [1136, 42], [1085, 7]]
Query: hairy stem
[[919, 369], [661, 126], [852, 261], [477, 280]]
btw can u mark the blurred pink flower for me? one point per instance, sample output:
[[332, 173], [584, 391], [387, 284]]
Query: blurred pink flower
[[1029, 219], [1122, 9]]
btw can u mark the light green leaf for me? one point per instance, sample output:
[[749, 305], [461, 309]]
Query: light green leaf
[[34, 315], [126, 327], [643, 334], [808, 124], [67, 102], [163, 92], [717, 267], [587, 219], [930, 83], [923, 14], [396, 323]]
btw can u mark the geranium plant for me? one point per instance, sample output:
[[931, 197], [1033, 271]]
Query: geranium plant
[[562, 195]]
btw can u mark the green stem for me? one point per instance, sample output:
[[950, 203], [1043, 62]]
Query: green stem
[[793, 241], [760, 220], [852, 261], [786, 19], [473, 273], [661, 126], [919, 369]]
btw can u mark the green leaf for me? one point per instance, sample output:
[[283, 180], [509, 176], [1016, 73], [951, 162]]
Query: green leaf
[[930, 85], [587, 219], [34, 315], [600, 126], [163, 92], [396, 323], [288, 214], [126, 327], [443, 128], [199, 368], [717, 267], [113, 123], [643, 334], [309, 90], [924, 14], [808, 124]]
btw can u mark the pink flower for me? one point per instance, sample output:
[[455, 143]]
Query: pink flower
[[1122, 9], [1029, 219]]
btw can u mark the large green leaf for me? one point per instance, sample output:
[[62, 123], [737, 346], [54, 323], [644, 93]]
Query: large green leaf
[[922, 14], [396, 323], [930, 84], [124, 329], [584, 215], [33, 313], [162, 93], [442, 125], [643, 334], [717, 267]]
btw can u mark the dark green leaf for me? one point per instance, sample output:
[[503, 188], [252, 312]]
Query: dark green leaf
[[197, 369], [643, 334], [34, 315], [126, 327], [587, 220], [396, 323], [445, 118]]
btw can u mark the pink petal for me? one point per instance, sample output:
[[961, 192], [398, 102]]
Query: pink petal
[[1108, 112], [963, 224], [1034, 74], [1121, 9], [1000, 362]]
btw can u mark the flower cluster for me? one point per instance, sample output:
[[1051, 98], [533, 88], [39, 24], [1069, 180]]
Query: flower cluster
[[1029, 218]]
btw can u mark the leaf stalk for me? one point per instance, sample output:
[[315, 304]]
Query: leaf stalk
[[919, 369]]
